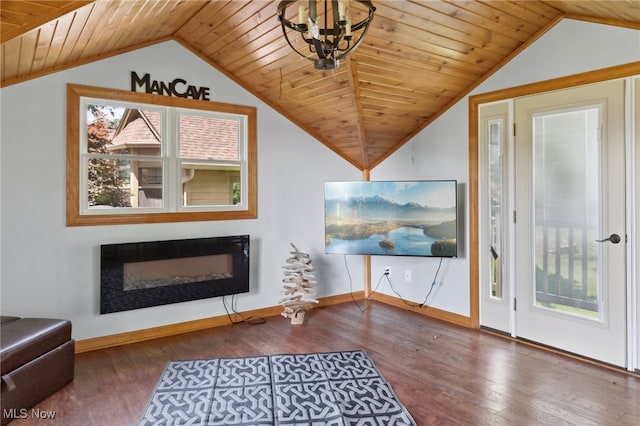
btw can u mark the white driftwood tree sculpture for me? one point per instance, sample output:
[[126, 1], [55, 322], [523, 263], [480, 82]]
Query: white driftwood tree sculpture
[[298, 284]]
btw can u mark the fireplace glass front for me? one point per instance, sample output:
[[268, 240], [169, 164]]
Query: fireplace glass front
[[144, 274]]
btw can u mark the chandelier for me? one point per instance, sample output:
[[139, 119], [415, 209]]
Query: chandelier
[[328, 34]]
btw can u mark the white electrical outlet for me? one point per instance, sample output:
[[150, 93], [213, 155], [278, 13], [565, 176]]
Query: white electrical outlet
[[387, 270], [407, 275]]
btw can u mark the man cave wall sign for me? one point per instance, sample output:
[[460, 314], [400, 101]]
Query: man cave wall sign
[[177, 87]]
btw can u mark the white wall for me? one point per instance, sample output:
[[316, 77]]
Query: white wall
[[48, 269], [441, 150]]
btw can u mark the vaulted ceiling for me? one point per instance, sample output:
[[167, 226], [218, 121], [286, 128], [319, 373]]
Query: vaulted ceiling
[[418, 59]]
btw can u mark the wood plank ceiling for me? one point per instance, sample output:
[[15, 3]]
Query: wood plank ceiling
[[417, 60]]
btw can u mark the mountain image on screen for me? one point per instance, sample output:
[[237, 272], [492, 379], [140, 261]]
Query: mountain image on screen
[[385, 224]]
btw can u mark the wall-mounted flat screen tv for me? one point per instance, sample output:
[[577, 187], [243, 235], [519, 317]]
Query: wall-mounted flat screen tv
[[392, 218]]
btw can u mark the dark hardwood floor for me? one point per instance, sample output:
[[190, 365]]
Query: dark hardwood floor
[[444, 374]]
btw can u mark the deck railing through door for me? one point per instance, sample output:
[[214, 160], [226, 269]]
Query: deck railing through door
[[566, 265]]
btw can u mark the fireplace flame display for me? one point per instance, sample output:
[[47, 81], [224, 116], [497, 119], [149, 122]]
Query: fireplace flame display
[[145, 274], [156, 273]]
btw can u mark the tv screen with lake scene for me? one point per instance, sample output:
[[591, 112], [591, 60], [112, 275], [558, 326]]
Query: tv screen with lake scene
[[391, 218]]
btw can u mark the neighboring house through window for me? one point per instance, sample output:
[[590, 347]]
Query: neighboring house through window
[[208, 156]]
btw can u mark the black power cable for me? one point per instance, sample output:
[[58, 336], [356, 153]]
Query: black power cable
[[410, 305], [433, 284], [250, 320]]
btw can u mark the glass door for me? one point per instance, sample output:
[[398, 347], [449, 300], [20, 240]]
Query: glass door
[[570, 221]]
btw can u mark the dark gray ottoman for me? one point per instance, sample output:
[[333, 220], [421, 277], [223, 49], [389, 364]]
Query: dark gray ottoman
[[36, 359]]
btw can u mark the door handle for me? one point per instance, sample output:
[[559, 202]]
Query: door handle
[[613, 238]]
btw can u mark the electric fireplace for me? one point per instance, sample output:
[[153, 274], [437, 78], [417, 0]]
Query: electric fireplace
[[145, 274]]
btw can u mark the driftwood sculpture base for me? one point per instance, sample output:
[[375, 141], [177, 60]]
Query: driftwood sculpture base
[[298, 318]]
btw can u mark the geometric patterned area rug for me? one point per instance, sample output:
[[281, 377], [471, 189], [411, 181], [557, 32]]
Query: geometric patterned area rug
[[334, 388]]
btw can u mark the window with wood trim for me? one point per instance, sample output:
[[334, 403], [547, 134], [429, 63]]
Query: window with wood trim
[[141, 158]]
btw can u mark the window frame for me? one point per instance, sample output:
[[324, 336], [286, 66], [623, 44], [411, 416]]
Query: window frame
[[75, 215]]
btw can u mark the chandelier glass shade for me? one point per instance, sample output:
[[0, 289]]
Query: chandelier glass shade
[[325, 27]]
